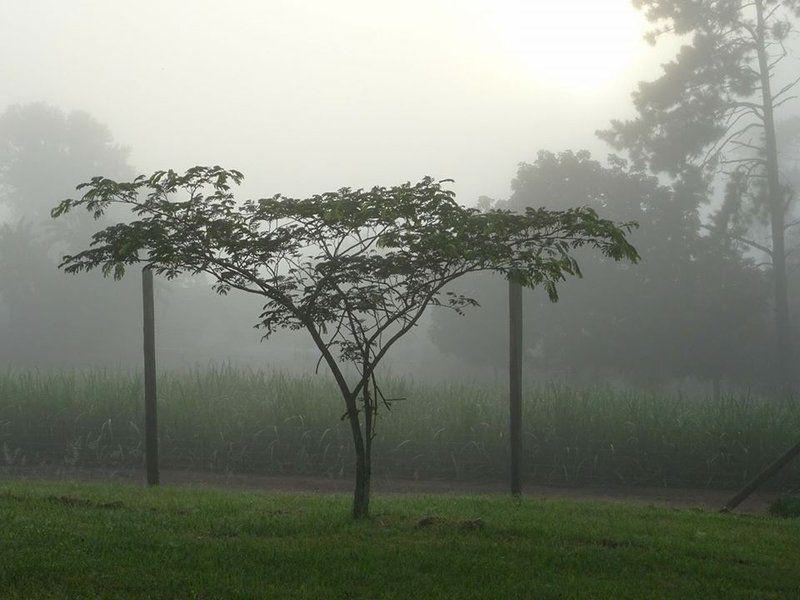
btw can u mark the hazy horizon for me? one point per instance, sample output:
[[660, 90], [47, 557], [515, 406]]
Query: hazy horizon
[[306, 97]]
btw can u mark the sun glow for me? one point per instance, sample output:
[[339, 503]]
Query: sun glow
[[575, 43]]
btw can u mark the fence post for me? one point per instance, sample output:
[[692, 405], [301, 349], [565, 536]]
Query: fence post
[[762, 478], [150, 418], [515, 384]]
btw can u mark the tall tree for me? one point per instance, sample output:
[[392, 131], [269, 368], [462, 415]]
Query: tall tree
[[48, 319], [355, 269], [44, 153], [693, 307], [713, 111]]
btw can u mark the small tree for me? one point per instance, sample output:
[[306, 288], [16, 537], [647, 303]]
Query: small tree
[[356, 269]]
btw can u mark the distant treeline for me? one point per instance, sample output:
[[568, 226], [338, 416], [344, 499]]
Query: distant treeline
[[698, 306], [48, 318]]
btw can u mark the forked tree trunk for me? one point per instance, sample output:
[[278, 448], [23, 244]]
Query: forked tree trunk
[[363, 450]]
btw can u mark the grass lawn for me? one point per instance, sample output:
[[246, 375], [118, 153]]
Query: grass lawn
[[79, 540]]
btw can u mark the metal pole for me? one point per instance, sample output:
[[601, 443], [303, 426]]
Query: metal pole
[[515, 384], [150, 419]]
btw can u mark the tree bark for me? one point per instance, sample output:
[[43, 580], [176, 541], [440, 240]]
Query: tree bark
[[364, 466], [777, 210], [362, 488], [361, 492], [363, 481]]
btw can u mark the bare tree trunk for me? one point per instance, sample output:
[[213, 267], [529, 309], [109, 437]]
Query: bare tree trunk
[[777, 211], [364, 450], [361, 492]]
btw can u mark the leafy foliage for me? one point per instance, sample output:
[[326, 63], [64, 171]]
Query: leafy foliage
[[45, 151], [693, 308], [703, 109], [44, 317], [352, 265], [712, 113]]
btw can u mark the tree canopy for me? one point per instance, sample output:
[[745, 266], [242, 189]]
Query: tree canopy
[[713, 112], [694, 307], [45, 318]]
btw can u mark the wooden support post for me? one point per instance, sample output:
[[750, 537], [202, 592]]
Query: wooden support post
[[515, 384], [150, 418], [761, 478]]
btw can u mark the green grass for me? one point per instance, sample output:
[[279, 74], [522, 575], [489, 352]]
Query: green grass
[[81, 541], [786, 506], [232, 420]]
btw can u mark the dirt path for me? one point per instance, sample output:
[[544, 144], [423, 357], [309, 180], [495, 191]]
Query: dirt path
[[671, 497]]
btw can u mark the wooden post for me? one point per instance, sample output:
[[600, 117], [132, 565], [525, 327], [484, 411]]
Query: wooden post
[[150, 419], [761, 478], [515, 383]]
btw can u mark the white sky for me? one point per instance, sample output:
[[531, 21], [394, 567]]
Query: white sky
[[306, 96]]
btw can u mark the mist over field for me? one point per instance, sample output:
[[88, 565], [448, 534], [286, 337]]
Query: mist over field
[[303, 97]]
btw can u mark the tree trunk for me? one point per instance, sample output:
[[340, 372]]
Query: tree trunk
[[363, 451], [361, 493], [364, 457], [363, 480], [777, 210]]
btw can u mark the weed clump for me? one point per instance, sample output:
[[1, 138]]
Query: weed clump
[[786, 507]]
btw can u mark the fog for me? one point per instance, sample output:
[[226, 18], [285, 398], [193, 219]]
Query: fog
[[308, 96]]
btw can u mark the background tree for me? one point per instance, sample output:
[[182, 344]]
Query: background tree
[[355, 269], [47, 319], [44, 153], [714, 109], [692, 308]]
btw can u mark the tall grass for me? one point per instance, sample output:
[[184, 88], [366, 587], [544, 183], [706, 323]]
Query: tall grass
[[233, 420]]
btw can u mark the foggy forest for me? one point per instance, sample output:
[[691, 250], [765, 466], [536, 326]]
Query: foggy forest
[[480, 299]]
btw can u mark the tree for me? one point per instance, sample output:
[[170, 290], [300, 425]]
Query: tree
[[356, 269], [68, 147], [44, 153], [692, 308], [46, 318], [713, 110]]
